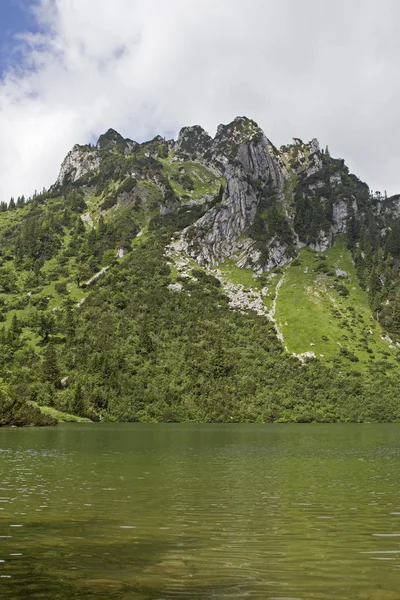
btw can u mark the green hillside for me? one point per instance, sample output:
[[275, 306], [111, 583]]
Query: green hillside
[[122, 295], [321, 308]]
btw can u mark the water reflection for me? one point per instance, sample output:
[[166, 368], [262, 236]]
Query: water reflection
[[200, 511]]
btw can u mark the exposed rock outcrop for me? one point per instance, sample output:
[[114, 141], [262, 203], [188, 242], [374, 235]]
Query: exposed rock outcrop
[[112, 139], [255, 163], [273, 202], [80, 161], [192, 143], [260, 179]]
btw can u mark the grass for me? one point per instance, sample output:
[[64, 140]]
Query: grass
[[51, 268], [273, 278], [314, 316], [237, 275], [62, 417], [245, 277], [204, 181], [311, 311]]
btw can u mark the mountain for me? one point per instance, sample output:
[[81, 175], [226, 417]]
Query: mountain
[[204, 279]]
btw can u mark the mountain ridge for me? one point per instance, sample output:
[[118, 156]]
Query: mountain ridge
[[243, 156], [127, 289]]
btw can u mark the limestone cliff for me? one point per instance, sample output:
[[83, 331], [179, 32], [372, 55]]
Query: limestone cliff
[[274, 201], [79, 162], [270, 202]]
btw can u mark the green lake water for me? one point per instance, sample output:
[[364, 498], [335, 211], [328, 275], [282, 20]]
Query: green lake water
[[137, 511]]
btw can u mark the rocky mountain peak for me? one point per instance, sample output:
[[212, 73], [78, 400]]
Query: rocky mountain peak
[[300, 156], [78, 162], [239, 127], [259, 204], [192, 142], [229, 137], [111, 139]]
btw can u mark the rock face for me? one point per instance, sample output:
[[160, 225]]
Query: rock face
[[112, 139], [121, 252], [272, 201], [86, 159], [248, 161], [80, 161], [192, 143], [218, 230], [389, 206]]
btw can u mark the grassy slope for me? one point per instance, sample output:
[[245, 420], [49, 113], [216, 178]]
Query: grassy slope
[[245, 277], [309, 309], [250, 281], [203, 180], [313, 316], [62, 417]]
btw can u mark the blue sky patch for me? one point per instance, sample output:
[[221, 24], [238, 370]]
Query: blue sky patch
[[16, 16]]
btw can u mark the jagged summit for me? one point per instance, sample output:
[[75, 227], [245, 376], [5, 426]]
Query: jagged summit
[[114, 140], [111, 137], [192, 142], [259, 204]]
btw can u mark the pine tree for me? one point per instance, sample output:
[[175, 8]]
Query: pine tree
[[79, 226], [77, 404], [395, 323], [37, 265], [392, 245], [146, 345], [102, 229], [46, 323], [50, 369], [15, 329], [69, 321], [374, 288], [220, 365], [353, 231]]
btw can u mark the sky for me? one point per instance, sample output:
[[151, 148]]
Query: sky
[[71, 69]]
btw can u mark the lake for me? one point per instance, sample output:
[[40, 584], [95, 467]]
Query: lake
[[169, 511]]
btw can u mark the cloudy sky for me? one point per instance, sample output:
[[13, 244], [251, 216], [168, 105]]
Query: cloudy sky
[[70, 69]]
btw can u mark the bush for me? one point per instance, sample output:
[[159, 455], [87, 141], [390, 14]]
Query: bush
[[342, 290], [349, 355], [109, 202], [22, 414], [127, 185], [61, 288]]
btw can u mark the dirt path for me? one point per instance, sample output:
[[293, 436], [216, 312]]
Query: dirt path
[[272, 313]]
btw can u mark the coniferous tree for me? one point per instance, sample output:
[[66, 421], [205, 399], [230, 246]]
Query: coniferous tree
[[69, 321], [50, 369], [15, 329], [79, 226], [45, 326], [78, 404]]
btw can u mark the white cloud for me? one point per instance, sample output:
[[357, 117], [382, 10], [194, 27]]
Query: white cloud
[[307, 69]]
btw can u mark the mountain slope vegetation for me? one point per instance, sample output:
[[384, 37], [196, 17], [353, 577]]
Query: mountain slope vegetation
[[200, 280]]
